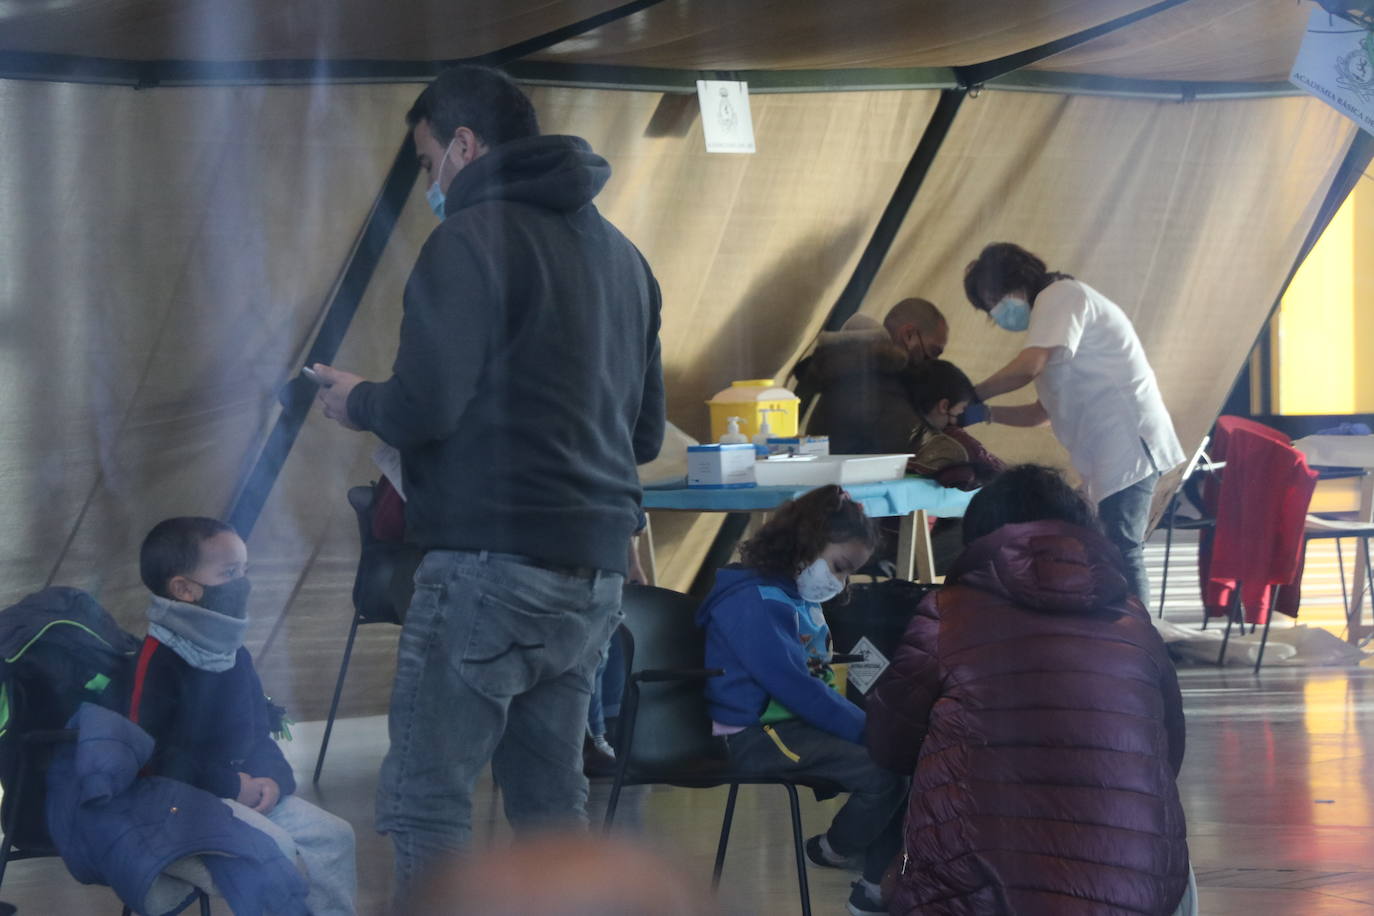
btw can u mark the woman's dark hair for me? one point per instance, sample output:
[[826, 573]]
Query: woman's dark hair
[[931, 381], [1025, 493], [484, 100], [172, 548], [1004, 268], [797, 533]]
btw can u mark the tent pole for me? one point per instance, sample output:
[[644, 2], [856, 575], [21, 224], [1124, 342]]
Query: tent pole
[[976, 74], [885, 233], [299, 393]]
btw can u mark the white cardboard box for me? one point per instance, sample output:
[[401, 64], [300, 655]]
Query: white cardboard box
[[720, 466], [799, 445]]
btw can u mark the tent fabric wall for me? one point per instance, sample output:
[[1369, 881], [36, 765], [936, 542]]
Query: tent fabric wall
[[165, 257], [1172, 210]]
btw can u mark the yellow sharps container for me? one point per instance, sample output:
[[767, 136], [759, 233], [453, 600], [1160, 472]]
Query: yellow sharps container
[[747, 400]]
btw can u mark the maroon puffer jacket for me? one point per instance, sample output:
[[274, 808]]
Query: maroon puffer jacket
[[1041, 716]]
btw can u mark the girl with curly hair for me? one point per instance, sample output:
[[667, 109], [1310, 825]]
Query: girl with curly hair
[[776, 704]]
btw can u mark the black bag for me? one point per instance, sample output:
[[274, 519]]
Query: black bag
[[58, 649], [878, 612]]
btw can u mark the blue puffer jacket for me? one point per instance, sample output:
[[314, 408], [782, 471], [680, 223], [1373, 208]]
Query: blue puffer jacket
[[113, 827]]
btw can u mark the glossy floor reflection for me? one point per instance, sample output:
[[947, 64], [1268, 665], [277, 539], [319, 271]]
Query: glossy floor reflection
[[1277, 786]]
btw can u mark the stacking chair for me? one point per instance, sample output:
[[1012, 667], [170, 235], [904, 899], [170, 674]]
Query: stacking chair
[[382, 589], [665, 731]]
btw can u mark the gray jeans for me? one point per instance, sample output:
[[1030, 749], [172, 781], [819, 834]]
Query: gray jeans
[[323, 844], [1124, 516], [494, 665]]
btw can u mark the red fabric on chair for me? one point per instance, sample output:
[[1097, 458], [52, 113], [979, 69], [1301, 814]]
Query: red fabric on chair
[[1260, 508]]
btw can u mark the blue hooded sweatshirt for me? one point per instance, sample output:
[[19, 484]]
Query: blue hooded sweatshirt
[[762, 633]]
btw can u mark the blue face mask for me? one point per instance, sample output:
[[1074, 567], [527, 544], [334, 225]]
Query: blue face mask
[[1011, 314], [435, 195]]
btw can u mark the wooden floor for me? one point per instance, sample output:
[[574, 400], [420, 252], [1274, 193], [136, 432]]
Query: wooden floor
[[1278, 786]]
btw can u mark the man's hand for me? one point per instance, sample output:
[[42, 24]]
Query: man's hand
[[250, 792], [271, 794], [335, 387], [636, 575]]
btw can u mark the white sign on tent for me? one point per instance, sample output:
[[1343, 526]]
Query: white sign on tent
[[1336, 64], [725, 116]]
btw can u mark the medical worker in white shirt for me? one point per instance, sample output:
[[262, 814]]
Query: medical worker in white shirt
[[1093, 386]]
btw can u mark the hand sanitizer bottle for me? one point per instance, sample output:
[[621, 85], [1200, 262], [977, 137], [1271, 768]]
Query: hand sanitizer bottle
[[761, 437], [732, 433]]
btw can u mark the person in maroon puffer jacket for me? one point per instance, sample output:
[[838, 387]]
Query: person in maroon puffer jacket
[[1040, 714]]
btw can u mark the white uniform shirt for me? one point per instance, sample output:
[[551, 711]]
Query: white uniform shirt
[[1099, 390]]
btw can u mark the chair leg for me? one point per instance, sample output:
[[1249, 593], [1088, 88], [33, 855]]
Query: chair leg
[[1268, 618], [1168, 547], [799, 843], [21, 771], [724, 835], [612, 803], [1231, 614], [1368, 575], [1345, 593], [334, 704], [204, 904]]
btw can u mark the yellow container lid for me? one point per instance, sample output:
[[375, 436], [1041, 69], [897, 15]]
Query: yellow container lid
[[753, 391]]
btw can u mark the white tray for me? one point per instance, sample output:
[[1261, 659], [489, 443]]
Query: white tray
[[818, 470]]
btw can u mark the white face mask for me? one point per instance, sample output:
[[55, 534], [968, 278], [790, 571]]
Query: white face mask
[[435, 195], [817, 583]]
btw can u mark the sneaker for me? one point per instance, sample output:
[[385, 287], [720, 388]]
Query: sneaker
[[861, 903], [818, 856]]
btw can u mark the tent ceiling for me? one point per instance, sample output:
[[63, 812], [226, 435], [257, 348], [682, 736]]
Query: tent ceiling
[[820, 34], [221, 30], [1196, 40], [1204, 40]]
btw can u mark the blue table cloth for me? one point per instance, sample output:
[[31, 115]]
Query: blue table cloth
[[880, 500]]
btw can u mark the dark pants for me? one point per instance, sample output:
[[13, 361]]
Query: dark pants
[[870, 823], [1124, 516]]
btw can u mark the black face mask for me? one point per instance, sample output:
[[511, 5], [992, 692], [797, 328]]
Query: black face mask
[[229, 599]]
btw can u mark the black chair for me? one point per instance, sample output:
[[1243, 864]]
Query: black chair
[[382, 589], [1188, 486], [665, 731], [26, 836]]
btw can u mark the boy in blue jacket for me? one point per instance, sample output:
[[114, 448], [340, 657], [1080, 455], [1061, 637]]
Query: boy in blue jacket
[[196, 692], [776, 704]]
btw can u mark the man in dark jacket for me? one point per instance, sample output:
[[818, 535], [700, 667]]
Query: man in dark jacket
[[856, 373], [526, 389], [1039, 712]]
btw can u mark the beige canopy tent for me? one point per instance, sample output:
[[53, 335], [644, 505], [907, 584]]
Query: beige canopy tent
[[200, 195]]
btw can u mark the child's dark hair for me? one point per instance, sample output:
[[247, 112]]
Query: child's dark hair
[[172, 548], [800, 529], [1003, 268], [1025, 493], [931, 381]]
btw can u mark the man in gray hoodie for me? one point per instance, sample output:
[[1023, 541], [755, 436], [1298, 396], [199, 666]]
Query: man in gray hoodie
[[526, 389]]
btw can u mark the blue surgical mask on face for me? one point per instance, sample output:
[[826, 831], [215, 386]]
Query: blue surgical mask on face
[[435, 196], [1012, 313]]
